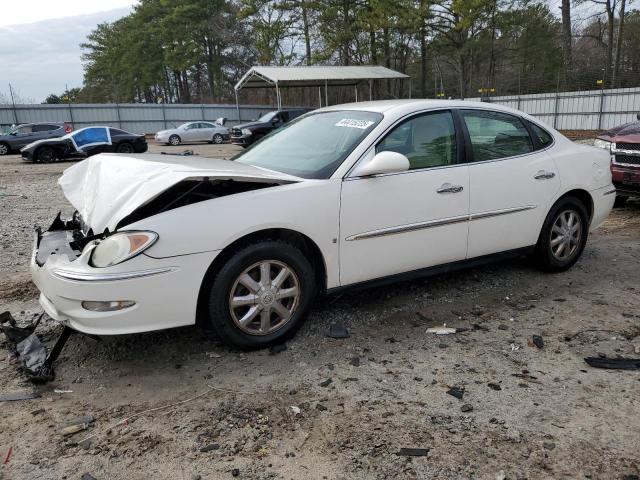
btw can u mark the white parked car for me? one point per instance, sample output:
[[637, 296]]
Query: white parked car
[[190, 132], [342, 196]]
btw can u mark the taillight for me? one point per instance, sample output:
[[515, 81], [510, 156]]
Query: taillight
[[67, 128]]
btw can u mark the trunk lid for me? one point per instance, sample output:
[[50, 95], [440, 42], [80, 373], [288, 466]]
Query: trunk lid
[[106, 188]]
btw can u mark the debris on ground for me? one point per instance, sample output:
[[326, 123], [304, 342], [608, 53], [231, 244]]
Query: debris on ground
[[457, 392], [413, 452], [14, 397], [58, 390], [326, 382], [337, 330], [184, 153], [442, 330], [210, 447], [77, 425], [466, 408], [494, 386], [7, 456], [88, 476], [538, 341], [295, 409], [614, 363]]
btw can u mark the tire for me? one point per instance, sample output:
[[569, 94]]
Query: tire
[[217, 139], [174, 140], [620, 201], [561, 243], [4, 149], [45, 155], [242, 277], [125, 147]]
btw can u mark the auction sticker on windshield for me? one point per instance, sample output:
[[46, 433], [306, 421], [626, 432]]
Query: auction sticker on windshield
[[354, 123]]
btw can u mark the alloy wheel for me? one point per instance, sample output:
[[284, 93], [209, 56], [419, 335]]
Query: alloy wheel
[[566, 235], [217, 138], [4, 150], [264, 297]]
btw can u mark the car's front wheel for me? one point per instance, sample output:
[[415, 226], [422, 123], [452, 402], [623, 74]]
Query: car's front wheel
[[563, 236], [217, 139], [261, 295], [174, 140], [46, 155], [4, 149]]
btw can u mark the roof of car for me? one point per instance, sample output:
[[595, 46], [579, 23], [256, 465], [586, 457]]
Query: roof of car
[[382, 106]]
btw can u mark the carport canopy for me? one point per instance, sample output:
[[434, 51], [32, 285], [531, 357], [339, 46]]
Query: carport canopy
[[314, 76]]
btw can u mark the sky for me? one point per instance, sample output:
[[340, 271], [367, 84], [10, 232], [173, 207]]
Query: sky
[[40, 42]]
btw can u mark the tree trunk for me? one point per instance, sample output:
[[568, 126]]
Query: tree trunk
[[619, 40], [566, 37], [305, 29], [610, 30]]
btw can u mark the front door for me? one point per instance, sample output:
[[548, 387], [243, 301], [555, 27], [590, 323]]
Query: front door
[[513, 182], [401, 222]]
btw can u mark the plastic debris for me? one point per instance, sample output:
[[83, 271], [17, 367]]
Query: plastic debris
[[614, 363], [457, 392], [537, 341], [337, 330], [13, 397], [57, 390], [413, 452], [296, 410], [442, 330], [210, 447]]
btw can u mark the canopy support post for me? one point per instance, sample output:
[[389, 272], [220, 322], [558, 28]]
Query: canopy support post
[[237, 106], [370, 91], [320, 96], [409, 88], [356, 89], [326, 94], [278, 100]]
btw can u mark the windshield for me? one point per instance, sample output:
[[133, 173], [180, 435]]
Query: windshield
[[267, 117], [312, 146]]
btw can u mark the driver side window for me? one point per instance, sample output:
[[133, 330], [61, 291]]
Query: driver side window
[[428, 140]]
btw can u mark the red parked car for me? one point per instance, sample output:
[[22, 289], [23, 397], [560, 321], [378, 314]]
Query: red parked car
[[624, 143]]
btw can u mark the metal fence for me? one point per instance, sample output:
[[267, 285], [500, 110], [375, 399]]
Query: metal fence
[[587, 110], [137, 118]]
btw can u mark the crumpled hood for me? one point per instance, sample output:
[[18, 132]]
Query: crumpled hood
[[628, 132], [107, 187], [251, 125]]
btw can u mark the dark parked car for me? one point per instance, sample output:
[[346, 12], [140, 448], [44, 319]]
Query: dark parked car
[[247, 133], [27, 133], [84, 143], [624, 143]]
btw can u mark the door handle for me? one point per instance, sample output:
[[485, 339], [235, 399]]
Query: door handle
[[448, 188], [543, 175]]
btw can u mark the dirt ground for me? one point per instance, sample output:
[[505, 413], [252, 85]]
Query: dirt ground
[[342, 409]]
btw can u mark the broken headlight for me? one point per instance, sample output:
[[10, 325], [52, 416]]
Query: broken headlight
[[120, 247]]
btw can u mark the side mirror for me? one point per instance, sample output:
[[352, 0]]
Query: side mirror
[[384, 162], [275, 120], [13, 133]]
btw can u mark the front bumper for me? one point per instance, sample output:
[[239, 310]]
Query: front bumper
[[165, 290], [242, 140], [626, 179], [27, 155]]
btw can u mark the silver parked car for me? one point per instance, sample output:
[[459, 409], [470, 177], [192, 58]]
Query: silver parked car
[[212, 132]]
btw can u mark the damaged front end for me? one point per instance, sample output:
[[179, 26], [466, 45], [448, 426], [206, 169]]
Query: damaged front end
[[65, 238]]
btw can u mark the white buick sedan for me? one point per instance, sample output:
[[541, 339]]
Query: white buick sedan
[[343, 196]]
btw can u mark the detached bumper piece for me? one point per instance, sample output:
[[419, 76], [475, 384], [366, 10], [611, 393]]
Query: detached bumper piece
[[37, 364]]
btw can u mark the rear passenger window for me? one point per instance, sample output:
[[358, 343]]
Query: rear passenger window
[[496, 135], [543, 137], [428, 140]]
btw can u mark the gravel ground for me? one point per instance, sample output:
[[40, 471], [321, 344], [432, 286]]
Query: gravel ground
[[342, 409]]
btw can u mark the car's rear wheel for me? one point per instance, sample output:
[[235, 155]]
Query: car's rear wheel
[[261, 295], [46, 155], [4, 149], [217, 138], [563, 236], [125, 147], [174, 140]]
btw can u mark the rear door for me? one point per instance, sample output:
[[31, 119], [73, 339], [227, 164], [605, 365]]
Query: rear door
[[512, 181], [207, 131]]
